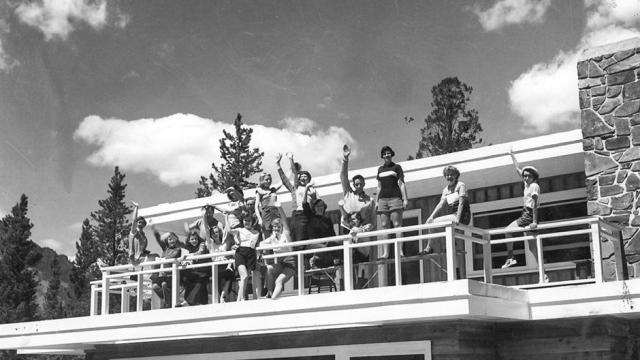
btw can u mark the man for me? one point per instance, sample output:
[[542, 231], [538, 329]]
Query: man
[[137, 239]]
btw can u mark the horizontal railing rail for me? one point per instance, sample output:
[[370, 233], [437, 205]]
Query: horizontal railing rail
[[135, 279]]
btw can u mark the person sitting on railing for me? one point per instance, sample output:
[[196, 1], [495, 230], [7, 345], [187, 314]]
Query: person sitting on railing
[[195, 280], [137, 239], [391, 198], [529, 217], [266, 199], [171, 249], [284, 268], [355, 200], [299, 192], [453, 205], [246, 239]]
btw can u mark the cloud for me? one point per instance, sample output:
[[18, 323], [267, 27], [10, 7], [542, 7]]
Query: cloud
[[53, 244], [179, 148], [509, 12], [547, 93], [58, 18]]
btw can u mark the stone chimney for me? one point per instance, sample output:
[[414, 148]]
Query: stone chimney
[[609, 93]]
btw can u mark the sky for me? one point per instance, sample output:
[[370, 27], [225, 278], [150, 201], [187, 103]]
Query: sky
[[149, 86]]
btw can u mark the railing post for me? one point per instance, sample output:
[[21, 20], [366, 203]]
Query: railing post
[[105, 293], [348, 265], [301, 274], [214, 284], [174, 283], [397, 245], [617, 254], [597, 251], [139, 292], [94, 300], [124, 299], [451, 252], [540, 251], [487, 259]]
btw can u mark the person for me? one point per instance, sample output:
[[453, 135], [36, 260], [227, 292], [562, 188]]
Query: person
[[357, 226], [265, 201], [453, 205], [355, 200], [284, 268], [137, 239], [246, 240], [195, 280], [233, 210], [299, 191], [529, 216], [391, 197], [171, 249], [319, 226]]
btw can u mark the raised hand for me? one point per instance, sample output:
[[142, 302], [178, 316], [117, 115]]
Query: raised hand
[[135, 203], [346, 151]]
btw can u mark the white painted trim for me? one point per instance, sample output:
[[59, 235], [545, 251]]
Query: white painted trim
[[341, 352]]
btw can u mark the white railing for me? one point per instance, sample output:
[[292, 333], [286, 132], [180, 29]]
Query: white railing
[[118, 279]]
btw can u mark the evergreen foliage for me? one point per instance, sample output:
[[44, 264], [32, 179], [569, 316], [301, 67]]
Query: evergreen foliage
[[111, 224], [85, 269], [240, 162], [17, 255], [54, 304], [451, 126]]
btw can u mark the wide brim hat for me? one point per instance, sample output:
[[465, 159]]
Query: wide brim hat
[[532, 170]]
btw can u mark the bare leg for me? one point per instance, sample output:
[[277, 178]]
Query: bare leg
[[225, 290], [396, 220], [385, 224], [256, 281], [510, 259], [242, 284], [285, 275]]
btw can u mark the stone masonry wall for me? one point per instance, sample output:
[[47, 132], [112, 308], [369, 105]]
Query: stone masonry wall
[[609, 93]]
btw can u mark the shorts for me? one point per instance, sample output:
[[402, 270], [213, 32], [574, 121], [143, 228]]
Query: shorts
[[526, 218], [287, 262], [387, 205], [225, 273], [245, 256]]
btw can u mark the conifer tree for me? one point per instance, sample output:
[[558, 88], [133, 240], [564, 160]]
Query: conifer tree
[[54, 304], [85, 269], [17, 255], [240, 162], [111, 224]]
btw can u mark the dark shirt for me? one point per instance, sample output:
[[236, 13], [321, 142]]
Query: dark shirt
[[388, 175], [318, 226]]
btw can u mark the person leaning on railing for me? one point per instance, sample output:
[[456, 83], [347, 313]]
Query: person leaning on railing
[[171, 249], [529, 216], [283, 268], [453, 205], [195, 280]]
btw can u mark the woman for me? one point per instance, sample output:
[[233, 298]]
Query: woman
[[453, 205], [246, 240], [171, 249], [233, 210], [391, 197], [298, 192], [529, 216], [266, 199], [195, 280], [284, 268]]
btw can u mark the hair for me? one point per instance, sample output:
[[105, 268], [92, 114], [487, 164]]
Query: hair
[[235, 188], [449, 169], [263, 176], [141, 218], [319, 202], [196, 233], [533, 171], [385, 149], [276, 220], [245, 215], [358, 177], [304, 172], [357, 215]]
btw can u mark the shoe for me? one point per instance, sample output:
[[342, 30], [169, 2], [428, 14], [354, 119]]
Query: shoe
[[509, 263], [545, 279], [428, 250]]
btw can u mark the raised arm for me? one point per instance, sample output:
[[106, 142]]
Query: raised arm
[[294, 169], [283, 177], [134, 220], [515, 162], [258, 206], [156, 235], [344, 173]]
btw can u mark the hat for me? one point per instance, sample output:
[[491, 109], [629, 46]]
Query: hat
[[236, 190], [532, 170]]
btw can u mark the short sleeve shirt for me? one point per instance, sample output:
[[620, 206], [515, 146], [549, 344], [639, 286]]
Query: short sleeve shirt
[[388, 175], [529, 192], [452, 198]]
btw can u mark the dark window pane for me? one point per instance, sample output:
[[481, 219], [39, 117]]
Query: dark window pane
[[389, 357]]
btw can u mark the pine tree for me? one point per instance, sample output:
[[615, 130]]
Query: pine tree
[[85, 269], [111, 224], [17, 255], [240, 162], [450, 126], [54, 304]]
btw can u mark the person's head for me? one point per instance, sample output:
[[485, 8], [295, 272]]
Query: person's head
[[355, 219], [451, 174], [141, 222], [265, 180], [215, 234], [304, 177], [358, 184], [248, 220], [234, 193], [208, 215], [170, 238], [194, 238], [319, 207], [530, 174], [386, 153], [276, 225]]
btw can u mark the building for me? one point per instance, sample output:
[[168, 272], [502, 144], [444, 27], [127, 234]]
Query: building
[[457, 304]]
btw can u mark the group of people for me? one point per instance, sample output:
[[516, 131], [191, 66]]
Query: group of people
[[261, 221]]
